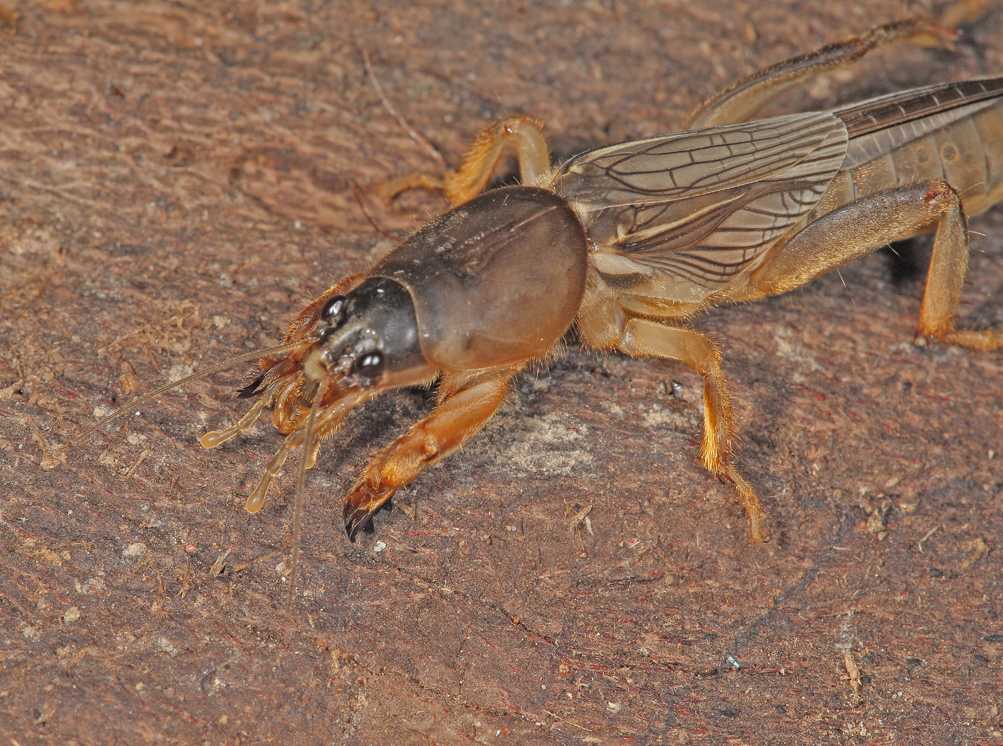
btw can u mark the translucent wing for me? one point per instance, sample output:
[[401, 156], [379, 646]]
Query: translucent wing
[[702, 206], [932, 104]]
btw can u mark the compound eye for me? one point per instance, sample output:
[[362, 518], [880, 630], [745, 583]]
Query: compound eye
[[370, 364], [333, 308]]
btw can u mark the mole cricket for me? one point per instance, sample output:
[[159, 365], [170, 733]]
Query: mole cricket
[[628, 243]]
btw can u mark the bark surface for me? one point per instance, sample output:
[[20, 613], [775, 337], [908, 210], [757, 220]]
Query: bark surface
[[177, 178]]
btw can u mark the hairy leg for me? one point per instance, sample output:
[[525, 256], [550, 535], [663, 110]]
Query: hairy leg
[[743, 99], [870, 223], [522, 136], [604, 326], [466, 402]]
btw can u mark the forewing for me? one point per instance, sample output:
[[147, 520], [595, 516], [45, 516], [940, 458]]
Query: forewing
[[692, 164], [702, 206]]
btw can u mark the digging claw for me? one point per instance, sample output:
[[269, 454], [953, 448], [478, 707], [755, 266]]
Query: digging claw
[[356, 519], [361, 504]]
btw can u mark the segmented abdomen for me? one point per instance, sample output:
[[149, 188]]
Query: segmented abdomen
[[952, 131]]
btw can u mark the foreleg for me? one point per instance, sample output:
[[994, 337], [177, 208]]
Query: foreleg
[[466, 403]]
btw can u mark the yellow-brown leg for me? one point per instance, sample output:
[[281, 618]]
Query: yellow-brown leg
[[742, 100], [522, 136], [466, 403], [604, 326], [869, 224]]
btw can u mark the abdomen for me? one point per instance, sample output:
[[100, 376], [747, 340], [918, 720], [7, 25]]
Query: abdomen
[[952, 132]]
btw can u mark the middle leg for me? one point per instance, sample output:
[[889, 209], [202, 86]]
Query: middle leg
[[520, 135], [645, 338]]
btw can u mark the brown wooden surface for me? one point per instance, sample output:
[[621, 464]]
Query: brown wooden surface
[[177, 177]]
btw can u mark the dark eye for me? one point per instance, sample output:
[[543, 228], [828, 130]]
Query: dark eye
[[370, 364], [333, 308]]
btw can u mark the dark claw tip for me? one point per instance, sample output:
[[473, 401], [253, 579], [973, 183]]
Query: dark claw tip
[[253, 388], [356, 519]]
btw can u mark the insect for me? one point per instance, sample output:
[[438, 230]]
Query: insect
[[628, 243]]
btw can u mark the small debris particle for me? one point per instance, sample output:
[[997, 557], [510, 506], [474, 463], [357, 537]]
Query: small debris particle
[[30, 633], [379, 546], [580, 517], [927, 535], [166, 646], [977, 548], [852, 672], [733, 662], [219, 565], [71, 615], [89, 586], [877, 517], [42, 714], [614, 707], [52, 455], [134, 551], [136, 464], [179, 371]]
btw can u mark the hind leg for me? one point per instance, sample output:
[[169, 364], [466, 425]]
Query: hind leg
[[741, 101], [867, 225]]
